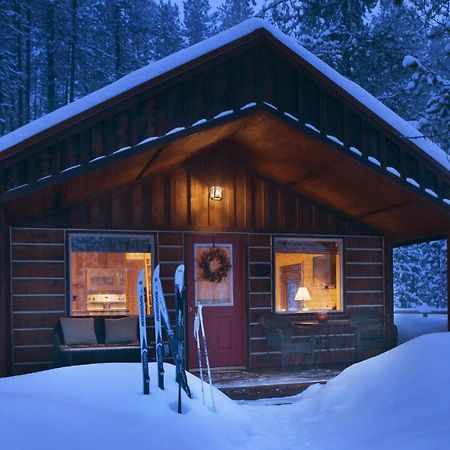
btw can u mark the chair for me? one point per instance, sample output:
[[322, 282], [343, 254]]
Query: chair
[[370, 330], [282, 335]]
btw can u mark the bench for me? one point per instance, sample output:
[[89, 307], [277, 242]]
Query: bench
[[99, 340]]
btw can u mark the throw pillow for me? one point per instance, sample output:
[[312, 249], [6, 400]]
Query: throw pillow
[[121, 331], [77, 331]]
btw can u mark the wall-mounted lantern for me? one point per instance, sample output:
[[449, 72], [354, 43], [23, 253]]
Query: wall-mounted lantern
[[216, 193]]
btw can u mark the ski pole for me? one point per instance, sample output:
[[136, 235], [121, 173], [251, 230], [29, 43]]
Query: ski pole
[[206, 355], [199, 354]]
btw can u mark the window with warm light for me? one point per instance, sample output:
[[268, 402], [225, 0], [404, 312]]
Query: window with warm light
[[103, 273], [308, 275]]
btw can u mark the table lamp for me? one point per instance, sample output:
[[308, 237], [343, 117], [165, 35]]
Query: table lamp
[[303, 295]]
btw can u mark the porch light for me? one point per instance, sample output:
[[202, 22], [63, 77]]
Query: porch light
[[216, 193], [303, 296]]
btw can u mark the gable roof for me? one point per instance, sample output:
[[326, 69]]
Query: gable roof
[[101, 98]]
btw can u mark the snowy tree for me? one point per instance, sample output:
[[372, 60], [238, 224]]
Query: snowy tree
[[335, 31], [233, 12], [167, 36], [392, 32], [197, 22], [420, 275], [431, 76]]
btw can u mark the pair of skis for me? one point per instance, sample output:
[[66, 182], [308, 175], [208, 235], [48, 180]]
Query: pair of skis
[[199, 327]]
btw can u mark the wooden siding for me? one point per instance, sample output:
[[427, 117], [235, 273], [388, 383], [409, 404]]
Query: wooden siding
[[179, 201], [260, 73], [363, 288], [5, 303], [39, 293], [38, 296]]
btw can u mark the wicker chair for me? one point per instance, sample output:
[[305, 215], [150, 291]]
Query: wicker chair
[[282, 335], [370, 334]]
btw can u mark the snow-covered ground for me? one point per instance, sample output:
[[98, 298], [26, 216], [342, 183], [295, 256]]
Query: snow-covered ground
[[398, 400], [411, 325]]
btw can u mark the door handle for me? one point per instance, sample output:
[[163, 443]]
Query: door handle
[[189, 309]]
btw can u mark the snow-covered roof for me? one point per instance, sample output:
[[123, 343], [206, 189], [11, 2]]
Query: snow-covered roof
[[178, 59]]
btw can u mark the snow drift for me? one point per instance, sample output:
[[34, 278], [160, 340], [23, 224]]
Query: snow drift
[[394, 401]]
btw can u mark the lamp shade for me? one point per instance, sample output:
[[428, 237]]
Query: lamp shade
[[303, 294]]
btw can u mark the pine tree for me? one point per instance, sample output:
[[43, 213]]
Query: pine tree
[[430, 74], [233, 12], [335, 31], [197, 22], [420, 276], [167, 37], [392, 33]]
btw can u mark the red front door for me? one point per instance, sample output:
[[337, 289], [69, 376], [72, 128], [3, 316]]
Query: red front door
[[223, 301]]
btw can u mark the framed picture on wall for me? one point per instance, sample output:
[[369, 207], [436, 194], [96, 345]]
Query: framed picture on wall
[[324, 272], [105, 280]]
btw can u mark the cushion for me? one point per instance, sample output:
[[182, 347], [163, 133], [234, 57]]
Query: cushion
[[121, 331], [78, 331]]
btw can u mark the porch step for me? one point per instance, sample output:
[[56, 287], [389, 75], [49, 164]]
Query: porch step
[[245, 384], [269, 391]]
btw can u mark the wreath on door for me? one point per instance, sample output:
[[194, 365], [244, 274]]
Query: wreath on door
[[215, 264]]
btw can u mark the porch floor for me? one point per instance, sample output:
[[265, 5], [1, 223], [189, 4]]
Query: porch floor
[[252, 384]]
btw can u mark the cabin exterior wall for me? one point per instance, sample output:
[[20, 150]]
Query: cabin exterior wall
[[39, 288]]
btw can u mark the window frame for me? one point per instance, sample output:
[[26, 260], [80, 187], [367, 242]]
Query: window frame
[[339, 240], [86, 233]]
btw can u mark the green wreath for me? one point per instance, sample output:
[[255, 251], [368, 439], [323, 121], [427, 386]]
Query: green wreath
[[205, 261]]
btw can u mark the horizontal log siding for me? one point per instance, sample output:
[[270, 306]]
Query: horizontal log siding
[[364, 278], [38, 290], [259, 296], [38, 296], [363, 274]]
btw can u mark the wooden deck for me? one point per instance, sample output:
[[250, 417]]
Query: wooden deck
[[247, 384]]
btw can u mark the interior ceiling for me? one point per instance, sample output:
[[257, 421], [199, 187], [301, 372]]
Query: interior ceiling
[[278, 152]]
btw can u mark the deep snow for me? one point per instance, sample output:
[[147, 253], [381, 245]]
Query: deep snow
[[411, 325], [398, 400]]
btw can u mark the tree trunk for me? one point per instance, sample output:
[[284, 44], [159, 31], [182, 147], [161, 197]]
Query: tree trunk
[[118, 49], [51, 91], [73, 47], [27, 99], [19, 63]]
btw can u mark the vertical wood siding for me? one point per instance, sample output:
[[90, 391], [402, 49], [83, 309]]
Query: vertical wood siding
[[256, 73]]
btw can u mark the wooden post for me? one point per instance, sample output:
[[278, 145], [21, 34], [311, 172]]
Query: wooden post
[[5, 325], [389, 330]]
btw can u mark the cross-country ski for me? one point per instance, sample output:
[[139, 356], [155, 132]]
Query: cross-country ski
[[143, 331], [180, 302], [157, 294]]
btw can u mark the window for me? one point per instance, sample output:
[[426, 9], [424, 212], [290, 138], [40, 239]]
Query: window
[[103, 273], [311, 264]]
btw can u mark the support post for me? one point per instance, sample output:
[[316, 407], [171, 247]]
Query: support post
[[390, 334], [5, 312]]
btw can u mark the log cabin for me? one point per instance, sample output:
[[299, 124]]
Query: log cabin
[[245, 148]]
